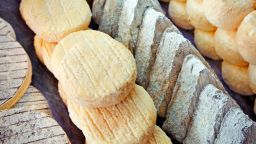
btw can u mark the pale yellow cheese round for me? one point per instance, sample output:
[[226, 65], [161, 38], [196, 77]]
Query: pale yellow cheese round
[[252, 77], [52, 20], [128, 122], [237, 79], [97, 70], [227, 48], [159, 137], [44, 51], [197, 17], [227, 14], [178, 14], [205, 44], [246, 38]]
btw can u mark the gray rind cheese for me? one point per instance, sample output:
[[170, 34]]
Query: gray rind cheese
[[14, 65], [23, 125], [151, 30], [172, 50], [121, 19], [35, 100], [98, 6], [212, 105], [6, 29], [236, 128], [193, 77], [110, 14]]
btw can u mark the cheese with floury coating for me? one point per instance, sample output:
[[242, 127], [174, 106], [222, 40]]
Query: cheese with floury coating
[[252, 77], [236, 77], [227, 14], [227, 48], [6, 29], [212, 106], [151, 31], [15, 71], [178, 14], [246, 35], [172, 50], [159, 137], [205, 44], [197, 17], [236, 128], [97, 71], [30, 125], [193, 77], [130, 121], [122, 19], [52, 20]]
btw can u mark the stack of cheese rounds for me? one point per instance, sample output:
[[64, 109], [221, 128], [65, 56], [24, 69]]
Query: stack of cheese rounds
[[224, 30], [96, 74], [52, 20], [97, 81]]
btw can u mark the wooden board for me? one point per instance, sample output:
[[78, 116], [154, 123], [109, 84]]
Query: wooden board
[[47, 84]]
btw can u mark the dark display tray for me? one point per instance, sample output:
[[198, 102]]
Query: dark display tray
[[47, 84]]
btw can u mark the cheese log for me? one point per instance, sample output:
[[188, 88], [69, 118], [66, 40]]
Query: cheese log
[[236, 128], [98, 71], [130, 121], [227, 48], [205, 44], [236, 77], [151, 31], [252, 77], [193, 77], [178, 14], [159, 137], [211, 107], [197, 17], [246, 38], [172, 50], [121, 19], [227, 14], [98, 6], [29, 125], [6, 29], [15, 71]]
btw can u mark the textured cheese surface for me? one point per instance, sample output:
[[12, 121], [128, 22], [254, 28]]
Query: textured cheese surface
[[29, 125], [6, 29], [159, 137], [180, 107], [44, 51], [144, 52], [130, 121], [236, 128], [98, 70], [212, 105], [13, 67], [54, 19]]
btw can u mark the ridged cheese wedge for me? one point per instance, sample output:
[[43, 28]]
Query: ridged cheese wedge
[[129, 122], [15, 71], [97, 71], [28, 125], [6, 29], [52, 20]]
